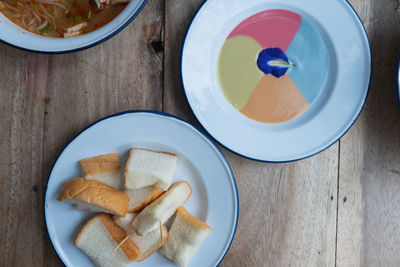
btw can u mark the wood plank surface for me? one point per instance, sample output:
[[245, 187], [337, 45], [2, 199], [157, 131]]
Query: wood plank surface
[[287, 211], [22, 92], [46, 101], [369, 180], [341, 207]]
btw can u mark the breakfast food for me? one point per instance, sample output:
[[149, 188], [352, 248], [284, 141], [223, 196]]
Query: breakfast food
[[104, 168], [61, 18], [146, 167], [185, 236], [94, 196], [148, 243], [140, 198], [98, 238], [136, 230], [161, 209]]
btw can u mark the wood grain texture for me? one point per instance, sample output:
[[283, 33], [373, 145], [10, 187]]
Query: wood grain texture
[[21, 124], [369, 181], [287, 211], [45, 101], [178, 16], [341, 207]]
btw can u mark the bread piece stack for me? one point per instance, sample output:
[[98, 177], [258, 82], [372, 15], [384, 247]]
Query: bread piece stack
[[148, 200]]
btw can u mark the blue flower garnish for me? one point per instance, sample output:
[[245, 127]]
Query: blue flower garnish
[[273, 61]]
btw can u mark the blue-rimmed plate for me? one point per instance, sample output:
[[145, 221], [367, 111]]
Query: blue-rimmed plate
[[214, 198], [14, 35], [398, 82], [261, 116]]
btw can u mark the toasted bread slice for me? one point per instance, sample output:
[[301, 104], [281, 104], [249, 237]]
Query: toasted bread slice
[[185, 236], [161, 209], [104, 168], [94, 196], [146, 167], [148, 243], [140, 198], [98, 238]]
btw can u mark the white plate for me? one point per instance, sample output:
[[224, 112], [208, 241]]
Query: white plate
[[334, 111], [12, 34], [214, 198], [398, 82]]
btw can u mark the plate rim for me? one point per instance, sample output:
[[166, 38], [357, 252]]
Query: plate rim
[[312, 154], [162, 114], [398, 82]]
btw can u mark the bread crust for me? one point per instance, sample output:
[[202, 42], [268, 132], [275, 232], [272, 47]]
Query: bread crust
[[129, 248], [151, 252], [130, 156], [158, 201], [156, 193], [195, 222], [100, 164], [186, 234], [96, 193]]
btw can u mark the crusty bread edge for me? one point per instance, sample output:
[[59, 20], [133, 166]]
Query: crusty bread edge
[[151, 252], [120, 209], [156, 202], [91, 171], [150, 150], [129, 248], [156, 194], [182, 213], [127, 166], [84, 228], [177, 184], [130, 156]]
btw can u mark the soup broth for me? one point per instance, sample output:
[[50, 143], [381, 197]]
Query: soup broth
[[61, 18]]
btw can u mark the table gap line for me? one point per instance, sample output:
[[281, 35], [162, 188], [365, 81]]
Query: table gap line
[[163, 34], [337, 202]]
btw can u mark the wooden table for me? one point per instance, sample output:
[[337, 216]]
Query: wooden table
[[341, 207]]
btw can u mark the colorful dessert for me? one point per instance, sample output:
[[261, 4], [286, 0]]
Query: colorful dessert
[[273, 66]]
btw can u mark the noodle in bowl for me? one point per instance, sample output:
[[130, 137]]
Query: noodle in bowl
[[34, 27], [34, 15]]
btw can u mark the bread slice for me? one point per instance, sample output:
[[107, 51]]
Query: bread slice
[[94, 196], [185, 236], [162, 208], [98, 238], [148, 243], [141, 197], [146, 167], [104, 168]]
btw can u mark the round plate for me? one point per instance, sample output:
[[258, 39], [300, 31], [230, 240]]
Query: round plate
[[214, 198], [341, 95], [14, 35]]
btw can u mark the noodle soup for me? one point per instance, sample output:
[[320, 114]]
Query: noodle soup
[[61, 18]]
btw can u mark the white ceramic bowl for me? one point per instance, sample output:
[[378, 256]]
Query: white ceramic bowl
[[14, 35]]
